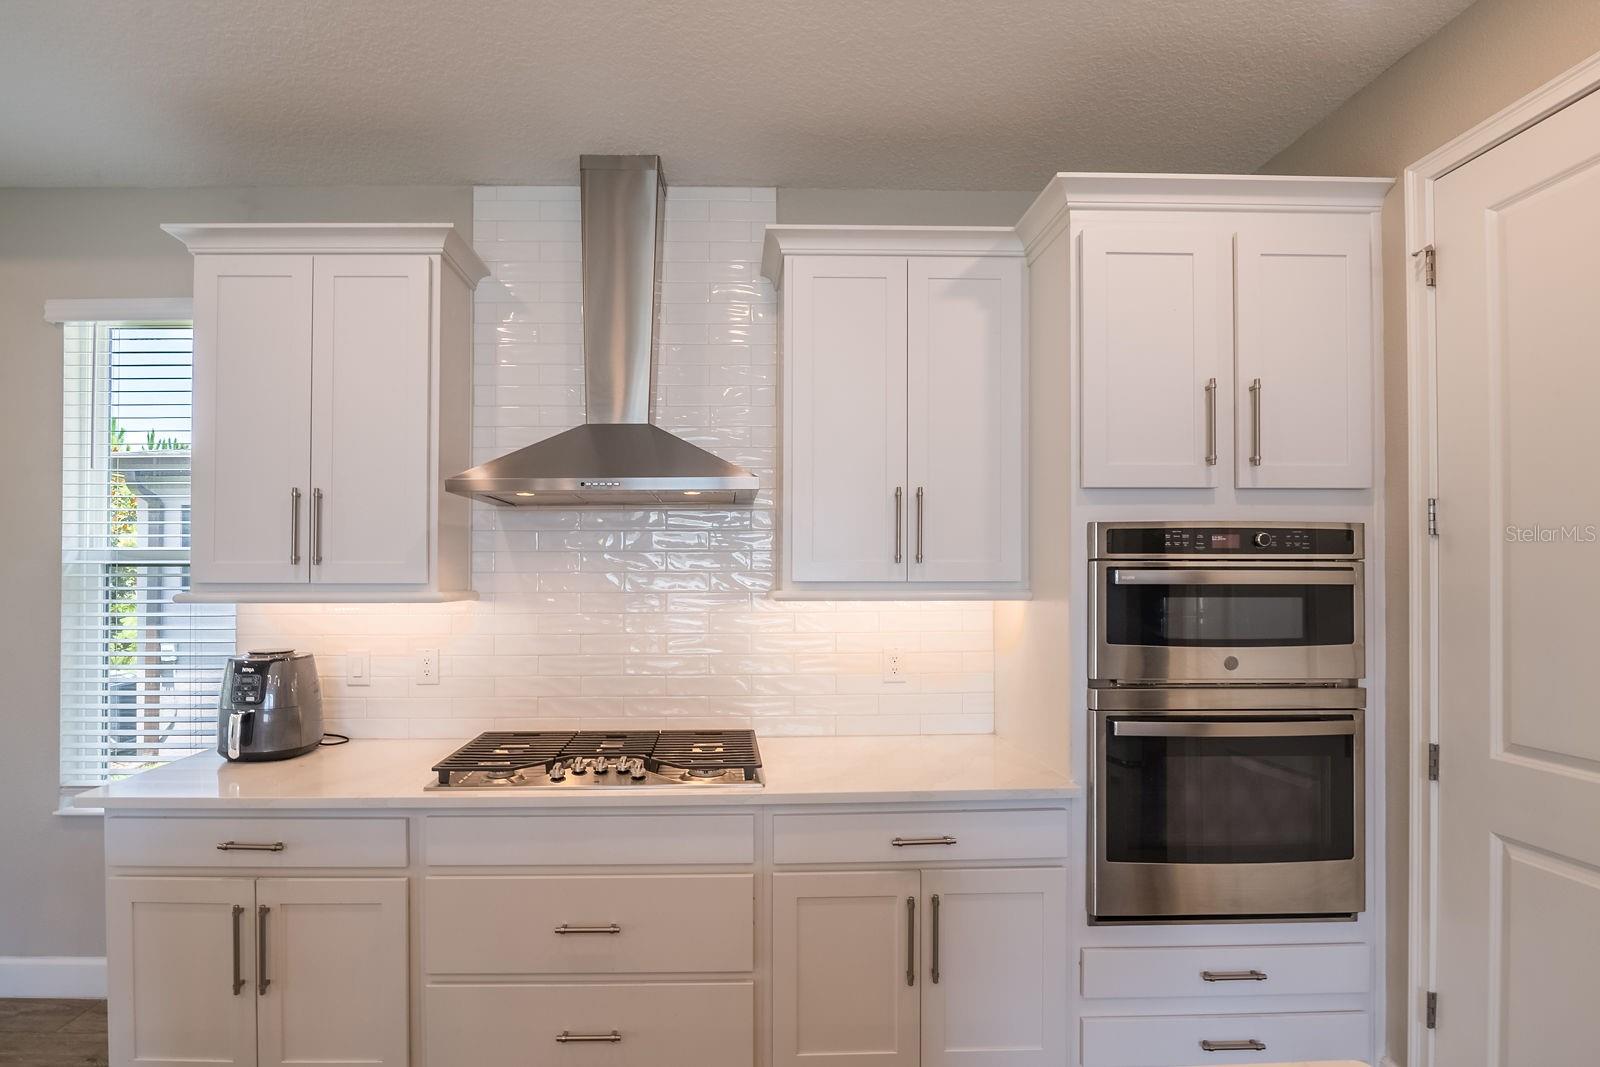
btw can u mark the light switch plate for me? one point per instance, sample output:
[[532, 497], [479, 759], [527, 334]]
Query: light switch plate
[[358, 668]]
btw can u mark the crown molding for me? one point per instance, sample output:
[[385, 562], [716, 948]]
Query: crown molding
[[782, 241], [333, 238]]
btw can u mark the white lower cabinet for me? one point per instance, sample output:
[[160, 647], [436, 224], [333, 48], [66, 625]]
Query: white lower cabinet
[[966, 968], [1186, 1040], [257, 971]]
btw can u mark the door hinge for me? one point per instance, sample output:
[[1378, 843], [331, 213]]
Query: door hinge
[[1433, 516], [1433, 1010], [1430, 266], [1433, 762]]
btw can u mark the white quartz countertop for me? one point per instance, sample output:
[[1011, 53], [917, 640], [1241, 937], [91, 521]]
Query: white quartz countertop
[[392, 774]]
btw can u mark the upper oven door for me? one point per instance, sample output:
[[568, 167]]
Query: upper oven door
[[1166, 623]]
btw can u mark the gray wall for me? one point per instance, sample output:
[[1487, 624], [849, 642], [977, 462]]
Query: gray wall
[[902, 207], [61, 243], [1490, 56]]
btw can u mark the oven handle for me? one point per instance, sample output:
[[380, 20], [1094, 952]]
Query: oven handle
[[1242, 576], [1275, 728]]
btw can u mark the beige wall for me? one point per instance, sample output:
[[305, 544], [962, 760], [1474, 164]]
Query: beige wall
[[1493, 54], [902, 207], [57, 243]]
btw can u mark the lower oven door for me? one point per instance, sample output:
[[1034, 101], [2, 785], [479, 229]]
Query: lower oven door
[[1227, 817]]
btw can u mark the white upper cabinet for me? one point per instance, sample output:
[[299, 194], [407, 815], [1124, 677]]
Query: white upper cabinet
[[1303, 385], [904, 430], [1154, 334], [1221, 324], [332, 365]]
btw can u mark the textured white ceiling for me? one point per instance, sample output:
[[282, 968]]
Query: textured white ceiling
[[911, 94]]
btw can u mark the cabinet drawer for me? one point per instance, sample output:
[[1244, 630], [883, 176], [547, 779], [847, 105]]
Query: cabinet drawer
[[589, 925], [1175, 1040], [143, 841], [588, 840], [920, 837], [706, 1024], [1226, 970]]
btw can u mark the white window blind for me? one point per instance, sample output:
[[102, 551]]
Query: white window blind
[[139, 673]]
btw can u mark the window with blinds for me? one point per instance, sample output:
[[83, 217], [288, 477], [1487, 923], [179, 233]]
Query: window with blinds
[[139, 673]]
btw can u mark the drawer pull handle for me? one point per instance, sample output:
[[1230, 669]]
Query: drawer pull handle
[[1249, 1044], [569, 928], [567, 1037], [262, 981], [238, 979], [1234, 976], [911, 941], [249, 846], [904, 842]]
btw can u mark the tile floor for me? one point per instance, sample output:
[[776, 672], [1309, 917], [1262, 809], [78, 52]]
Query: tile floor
[[52, 1033]]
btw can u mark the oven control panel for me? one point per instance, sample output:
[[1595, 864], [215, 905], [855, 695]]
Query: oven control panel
[[1341, 540]]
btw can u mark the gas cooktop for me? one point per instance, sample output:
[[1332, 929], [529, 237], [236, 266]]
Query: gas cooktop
[[591, 759]]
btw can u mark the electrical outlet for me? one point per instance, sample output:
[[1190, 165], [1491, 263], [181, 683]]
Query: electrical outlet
[[428, 666], [357, 668], [894, 666]]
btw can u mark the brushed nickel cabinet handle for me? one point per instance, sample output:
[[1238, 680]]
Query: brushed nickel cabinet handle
[[294, 527], [911, 940], [909, 842], [238, 978], [1211, 422], [1247, 1045], [1234, 976], [250, 846], [571, 928], [1255, 422], [899, 522], [934, 963], [316, 527], [919, 524], [262, 981], [567, 1037]]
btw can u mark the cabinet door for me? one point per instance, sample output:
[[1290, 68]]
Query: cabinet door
[[252, 418], [995, 943], [336, 969], [1303, 387], [844, 977], [965, 418], [180, 957], [372, 431], [1154, 325], [845, 376]]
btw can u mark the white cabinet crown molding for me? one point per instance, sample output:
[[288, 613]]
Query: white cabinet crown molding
[[816, 240], [1193, 192], [331, 238]]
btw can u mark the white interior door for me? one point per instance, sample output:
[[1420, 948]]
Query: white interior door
[[1303, 379], [337, 971], [252, 418], [845, 977], [1153, 302], [371, 433], [965, 418], [1518, 803], [845, 373], [995, 945], [181, 954]]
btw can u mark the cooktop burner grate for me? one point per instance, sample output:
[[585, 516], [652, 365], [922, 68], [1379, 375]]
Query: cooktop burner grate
[[698, 752]]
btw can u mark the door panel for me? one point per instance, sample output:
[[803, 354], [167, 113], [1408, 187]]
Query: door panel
[[1518, 802], [252, 418], [371, 433], [997, 981], [846, 373], [174, 995], [840, 956], [337, 971], [964, 405], [1305, 335], [1154, 329]]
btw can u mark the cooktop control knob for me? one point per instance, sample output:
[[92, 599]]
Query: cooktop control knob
[[601, 766], [1263, 539], [558, 771]]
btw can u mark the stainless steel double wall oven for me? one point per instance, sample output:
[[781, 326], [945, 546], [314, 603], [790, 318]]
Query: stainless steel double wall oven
[[1227, 760]]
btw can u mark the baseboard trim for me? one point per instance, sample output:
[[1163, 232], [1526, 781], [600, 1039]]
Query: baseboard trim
[[68, 977]]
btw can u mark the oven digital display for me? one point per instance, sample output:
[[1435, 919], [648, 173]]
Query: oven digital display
[[1225, 541]]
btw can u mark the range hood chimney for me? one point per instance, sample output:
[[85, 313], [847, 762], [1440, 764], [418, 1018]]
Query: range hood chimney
[[618, 456]]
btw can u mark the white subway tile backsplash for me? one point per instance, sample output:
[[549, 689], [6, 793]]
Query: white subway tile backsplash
[[638, 619]]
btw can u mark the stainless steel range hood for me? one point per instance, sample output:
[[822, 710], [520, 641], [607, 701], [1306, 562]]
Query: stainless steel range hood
[[618, 457]]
